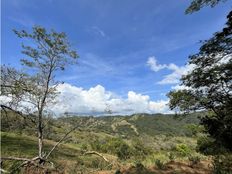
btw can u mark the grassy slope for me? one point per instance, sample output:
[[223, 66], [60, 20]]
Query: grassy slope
[[159, 132], [67, 157]]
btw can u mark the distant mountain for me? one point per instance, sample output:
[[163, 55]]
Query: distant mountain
[[136, 124]]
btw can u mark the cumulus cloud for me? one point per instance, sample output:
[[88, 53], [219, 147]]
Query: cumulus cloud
[[174, 76], [177, 73], [152, 63], [97, 100]]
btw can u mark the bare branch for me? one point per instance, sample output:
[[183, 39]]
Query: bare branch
[[4, 107], [96, 153], [18, 159], [54, 147]]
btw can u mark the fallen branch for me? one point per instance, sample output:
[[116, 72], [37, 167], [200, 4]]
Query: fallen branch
[[96, 153], [26, 161], [15, 158]]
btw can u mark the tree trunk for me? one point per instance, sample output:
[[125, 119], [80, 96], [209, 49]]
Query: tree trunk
[[40, 136]]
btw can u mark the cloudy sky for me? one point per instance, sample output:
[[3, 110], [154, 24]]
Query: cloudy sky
[[132, 52]]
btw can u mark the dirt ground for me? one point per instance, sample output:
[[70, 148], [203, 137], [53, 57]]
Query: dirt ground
[[170, 168]]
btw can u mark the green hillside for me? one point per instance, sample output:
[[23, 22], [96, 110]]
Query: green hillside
[[125, 140], [133, 125]]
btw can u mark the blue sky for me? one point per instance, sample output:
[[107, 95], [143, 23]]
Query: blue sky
[[115, 39]]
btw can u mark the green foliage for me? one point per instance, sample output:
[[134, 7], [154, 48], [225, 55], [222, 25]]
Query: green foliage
[[49, 45], [159, 164], [171, 156], [84, 146], [183, 150], [182, 100], [210, 85], [139, 168], [114, 146], [123, 151], [139, 149], [194, 129], [139, 165], [208, 146], [196, 5], [222, 164]]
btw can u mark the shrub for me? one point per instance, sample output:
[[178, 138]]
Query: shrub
[[222, 164], [123, 151], [84, 146], [139, 150], [171, 156], [159, 164], [114, 146], [183, 149], [139, 165], [194, 129], [208, 146], [139, 168]]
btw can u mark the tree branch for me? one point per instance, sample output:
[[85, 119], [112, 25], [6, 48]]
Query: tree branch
[[18, 112], [96, 153], [18, 159], [54, 147]]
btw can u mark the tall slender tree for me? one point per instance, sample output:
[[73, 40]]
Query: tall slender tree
[[48, 52]]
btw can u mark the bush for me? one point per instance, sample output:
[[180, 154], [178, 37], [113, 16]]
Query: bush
[[139, 168], [183, 149], [139, 165], [123, 152], [159, 164], [139, 150], [114, 146], [222, 164], [171, 156], [208, 146]]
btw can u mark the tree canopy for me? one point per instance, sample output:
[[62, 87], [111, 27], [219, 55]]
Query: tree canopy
[[196, 5], [209, 85], [33, 88]]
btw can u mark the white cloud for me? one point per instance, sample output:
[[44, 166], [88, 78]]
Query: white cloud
[[96, 100], [159, 106], [177, 71], [152, 63]]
